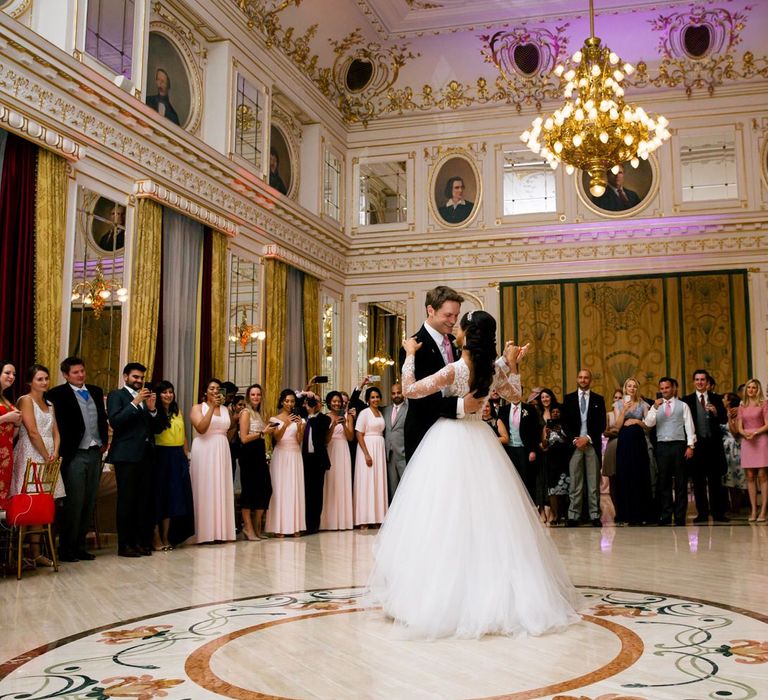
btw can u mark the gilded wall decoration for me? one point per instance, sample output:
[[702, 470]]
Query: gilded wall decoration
[[526, 57], [715, 66], [641, 327]]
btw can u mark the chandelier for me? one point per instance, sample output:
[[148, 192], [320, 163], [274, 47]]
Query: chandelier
[[595, 130], [381, 361], [245, 332], [96, 292]]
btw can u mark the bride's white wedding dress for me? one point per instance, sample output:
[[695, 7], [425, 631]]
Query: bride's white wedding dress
[[462, 552]]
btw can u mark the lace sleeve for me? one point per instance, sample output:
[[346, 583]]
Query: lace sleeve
[[413, 389], [505, 383]]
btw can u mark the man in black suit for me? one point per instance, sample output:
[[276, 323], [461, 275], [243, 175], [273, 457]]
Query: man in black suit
[[161, 101], [523, 423], [314, 452], [133, 416], [616, 197], [584, 419], [708, 462], [82, 422], [436, 351]]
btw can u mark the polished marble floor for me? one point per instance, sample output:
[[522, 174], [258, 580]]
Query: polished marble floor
[[677, 613]]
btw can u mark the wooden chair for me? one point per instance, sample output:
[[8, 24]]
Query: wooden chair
[[32, 510]]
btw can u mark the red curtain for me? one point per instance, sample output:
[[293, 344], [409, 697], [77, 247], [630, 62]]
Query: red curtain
[[17, 254], [206, 360]]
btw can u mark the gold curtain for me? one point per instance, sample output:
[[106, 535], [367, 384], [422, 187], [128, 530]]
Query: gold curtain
[[145, 284], [311, 308], [275, 295], [641, 327], [219, 305], [50, 233]]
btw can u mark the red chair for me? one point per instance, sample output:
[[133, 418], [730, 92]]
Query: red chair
[[32, 509]]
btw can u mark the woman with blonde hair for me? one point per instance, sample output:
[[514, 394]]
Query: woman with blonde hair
[[753, 427], [254, 473], [634, 497]]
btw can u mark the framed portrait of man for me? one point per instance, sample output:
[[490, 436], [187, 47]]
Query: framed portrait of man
[[168, 90], [107, 225], [627, 191], [455, 190], [280, 166]]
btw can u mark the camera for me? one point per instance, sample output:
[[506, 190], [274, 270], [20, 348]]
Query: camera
[[311, 402]]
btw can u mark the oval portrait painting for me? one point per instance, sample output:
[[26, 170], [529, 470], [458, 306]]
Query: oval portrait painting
[[455, 191], [108, 225], [625, 191], [168, 90], [279, 161]]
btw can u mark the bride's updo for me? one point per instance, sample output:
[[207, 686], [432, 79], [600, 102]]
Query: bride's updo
[[480, 340]]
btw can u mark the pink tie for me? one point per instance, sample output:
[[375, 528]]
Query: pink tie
[[394, 413], [515, 415], [667, 409], [448, 348]]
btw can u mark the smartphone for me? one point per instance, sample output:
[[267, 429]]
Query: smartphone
[[374, 378], [321, 379], [274, 424], [658, 395], [627, 398], [340, 413]]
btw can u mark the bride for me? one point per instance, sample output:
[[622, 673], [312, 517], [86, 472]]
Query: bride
[[461, 552]]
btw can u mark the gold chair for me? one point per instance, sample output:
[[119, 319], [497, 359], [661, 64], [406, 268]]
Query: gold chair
[[32, 510]]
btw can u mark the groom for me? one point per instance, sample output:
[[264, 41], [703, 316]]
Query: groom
[[437, 350]]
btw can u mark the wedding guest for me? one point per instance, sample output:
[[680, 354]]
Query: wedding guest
[[212, 490], [174, 504], [314, 453], [10, 420], [556, 450], [491, 419], [611, 433], [523, 424], [753, 428], [287, 509], [132, 412], [370, 487], [735, 480], [256, 485], [337, 494], [394, 437], [634, 498], [675, 445], [82, 419], [38, 441]]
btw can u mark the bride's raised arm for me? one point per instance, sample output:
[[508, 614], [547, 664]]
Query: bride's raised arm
[[506, 381], [413, 389]]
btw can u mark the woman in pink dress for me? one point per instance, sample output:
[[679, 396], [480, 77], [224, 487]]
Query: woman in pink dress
[[10, 419], [210, 469], [337, 491], [753, 426], [370, 494], [287, 511]]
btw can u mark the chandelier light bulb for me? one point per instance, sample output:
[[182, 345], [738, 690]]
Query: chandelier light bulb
[[570, 75], [88, 299], [597, 190], [104, 294], [628, 68], [525, 136], [615, 169], [569, 169], [558, 147], [577, 57], [618, 76], [603, 137], [613, 58], [75, 296], [634, 162], [628, 139], [577, 140], [596, 70], [559, 70]]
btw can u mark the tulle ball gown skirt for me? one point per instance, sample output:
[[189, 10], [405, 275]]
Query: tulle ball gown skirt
[[461, 552]]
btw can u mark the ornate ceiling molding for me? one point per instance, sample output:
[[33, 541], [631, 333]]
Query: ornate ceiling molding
[[11, 120], [272, 250], [194, 210]]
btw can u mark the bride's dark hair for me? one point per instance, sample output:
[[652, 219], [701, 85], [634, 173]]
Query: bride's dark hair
[[480, 340]]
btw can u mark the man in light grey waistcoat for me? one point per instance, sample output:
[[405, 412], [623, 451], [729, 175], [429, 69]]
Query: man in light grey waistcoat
[[82, 420], [675, 443], [394, 438]]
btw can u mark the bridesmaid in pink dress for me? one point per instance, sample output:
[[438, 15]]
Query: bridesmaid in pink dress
[[337, 491], [753, 426], [210, 469], [370, 494], [286, 514]]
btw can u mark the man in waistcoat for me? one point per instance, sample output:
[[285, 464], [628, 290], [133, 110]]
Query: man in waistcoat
[[82, 422], [708, 462], [675, 445]]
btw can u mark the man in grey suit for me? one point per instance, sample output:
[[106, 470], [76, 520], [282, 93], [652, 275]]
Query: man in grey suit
[[394, 438]]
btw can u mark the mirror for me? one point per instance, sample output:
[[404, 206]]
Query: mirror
[[382, 193], [97, 295], [381, 330], [330, 350], [708, 166], [246, 332], [248, 122], [528, 183]]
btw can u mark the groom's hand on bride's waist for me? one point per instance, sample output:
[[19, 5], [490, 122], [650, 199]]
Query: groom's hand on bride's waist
[[471, 404]]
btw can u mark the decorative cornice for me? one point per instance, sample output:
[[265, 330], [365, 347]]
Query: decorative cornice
[[48, 138], [194, 210], [278, 252]]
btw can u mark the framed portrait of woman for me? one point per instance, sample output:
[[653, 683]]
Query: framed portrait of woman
[[628, 191], [455, 190]]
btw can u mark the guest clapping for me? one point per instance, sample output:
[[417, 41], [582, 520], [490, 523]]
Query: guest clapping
[[256, 484], [370, 492], [210, 468]]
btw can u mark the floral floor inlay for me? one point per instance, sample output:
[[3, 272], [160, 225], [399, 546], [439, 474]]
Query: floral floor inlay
[[324, 644]]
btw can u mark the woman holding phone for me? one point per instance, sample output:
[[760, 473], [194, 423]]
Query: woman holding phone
[[287, 511], [211, 468], [337, 496], [254, 472]]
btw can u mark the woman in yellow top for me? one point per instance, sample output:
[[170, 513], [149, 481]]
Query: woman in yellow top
[[174, 515]]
